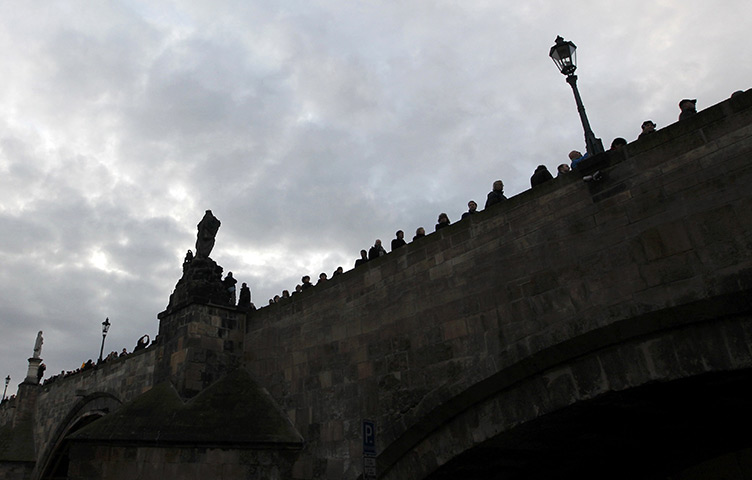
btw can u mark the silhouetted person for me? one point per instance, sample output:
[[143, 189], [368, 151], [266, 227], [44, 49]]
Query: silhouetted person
[[688, 108], [40, 371], [285, 294], [322, 279], [443, 221], [338, 271], [648, 127], [420, 232], [188, 258], [562, 169], [229, 283], [376, 251], [541, 175], [244, 299], [306, 282], [142, 343], [496, 195], [472, 209], [618, 143], [399, 241], [363, 258]]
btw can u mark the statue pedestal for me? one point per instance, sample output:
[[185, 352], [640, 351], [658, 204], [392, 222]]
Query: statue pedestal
[[201, 283], [31, 375]]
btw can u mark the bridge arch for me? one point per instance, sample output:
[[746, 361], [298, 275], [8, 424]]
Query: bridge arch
[[677, 379], [53, 462]]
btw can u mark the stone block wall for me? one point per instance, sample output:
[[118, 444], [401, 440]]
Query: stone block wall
[[177, 462], [7, 409], [198, 345], [15, 470], [123, 378], [397, 339]]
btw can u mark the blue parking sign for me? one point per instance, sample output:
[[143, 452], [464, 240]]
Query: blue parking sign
[[369, 437]]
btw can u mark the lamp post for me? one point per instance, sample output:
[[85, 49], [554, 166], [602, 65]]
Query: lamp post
[[7, 381], [564, 55], [105, 328]]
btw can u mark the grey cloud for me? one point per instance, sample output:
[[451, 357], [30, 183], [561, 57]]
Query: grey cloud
[[309, 129]]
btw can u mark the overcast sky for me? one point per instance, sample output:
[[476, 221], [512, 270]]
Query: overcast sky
[[309, 128]]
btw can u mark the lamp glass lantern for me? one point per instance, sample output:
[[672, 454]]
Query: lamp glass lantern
[[564, 55]]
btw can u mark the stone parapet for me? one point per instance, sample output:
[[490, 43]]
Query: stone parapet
[[401, 337]]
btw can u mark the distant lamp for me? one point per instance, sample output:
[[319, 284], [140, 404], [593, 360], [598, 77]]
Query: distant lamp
[[7, 381], [105, 329], [564, 55]]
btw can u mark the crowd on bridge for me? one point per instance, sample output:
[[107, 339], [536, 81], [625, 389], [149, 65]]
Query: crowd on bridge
[[541, 175], [496, 196], [90, 364]]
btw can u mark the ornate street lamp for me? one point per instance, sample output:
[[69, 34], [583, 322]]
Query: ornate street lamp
[[564, 55], [7, 381], [105, 328]]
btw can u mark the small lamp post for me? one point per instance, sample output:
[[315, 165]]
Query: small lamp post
[[105, 328], [7, 381], [564, 55]]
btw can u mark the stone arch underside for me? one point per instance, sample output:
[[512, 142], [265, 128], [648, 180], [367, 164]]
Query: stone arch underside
[[672, 392], [53, 461]]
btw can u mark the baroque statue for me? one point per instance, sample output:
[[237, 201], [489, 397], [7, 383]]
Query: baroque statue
[[38, 345], [207, 231]]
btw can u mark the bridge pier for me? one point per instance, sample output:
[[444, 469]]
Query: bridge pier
[[198, 345]]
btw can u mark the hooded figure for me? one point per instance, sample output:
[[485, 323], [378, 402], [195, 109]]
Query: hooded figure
[[541, 175]]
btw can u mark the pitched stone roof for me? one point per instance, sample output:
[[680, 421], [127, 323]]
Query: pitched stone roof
[[233, 411]]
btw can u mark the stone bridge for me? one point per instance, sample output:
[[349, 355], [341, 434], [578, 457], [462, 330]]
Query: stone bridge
[[581, 329]]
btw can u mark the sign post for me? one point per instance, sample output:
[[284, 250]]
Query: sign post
[[369, 450]]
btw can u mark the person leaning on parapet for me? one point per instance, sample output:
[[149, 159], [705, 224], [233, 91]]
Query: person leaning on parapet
[[472, 209], [648, 127], [306, 282], [338, 271], [562, 169], [496, 195], [576, 157], [399, 241], [443, 221], [322, 279], [376, 251], [420, 232], [363, 258], [541, 175], [617, 143], [688, 108]]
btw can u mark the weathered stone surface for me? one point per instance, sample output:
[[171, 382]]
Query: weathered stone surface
[[201, 283], [660, 231]]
